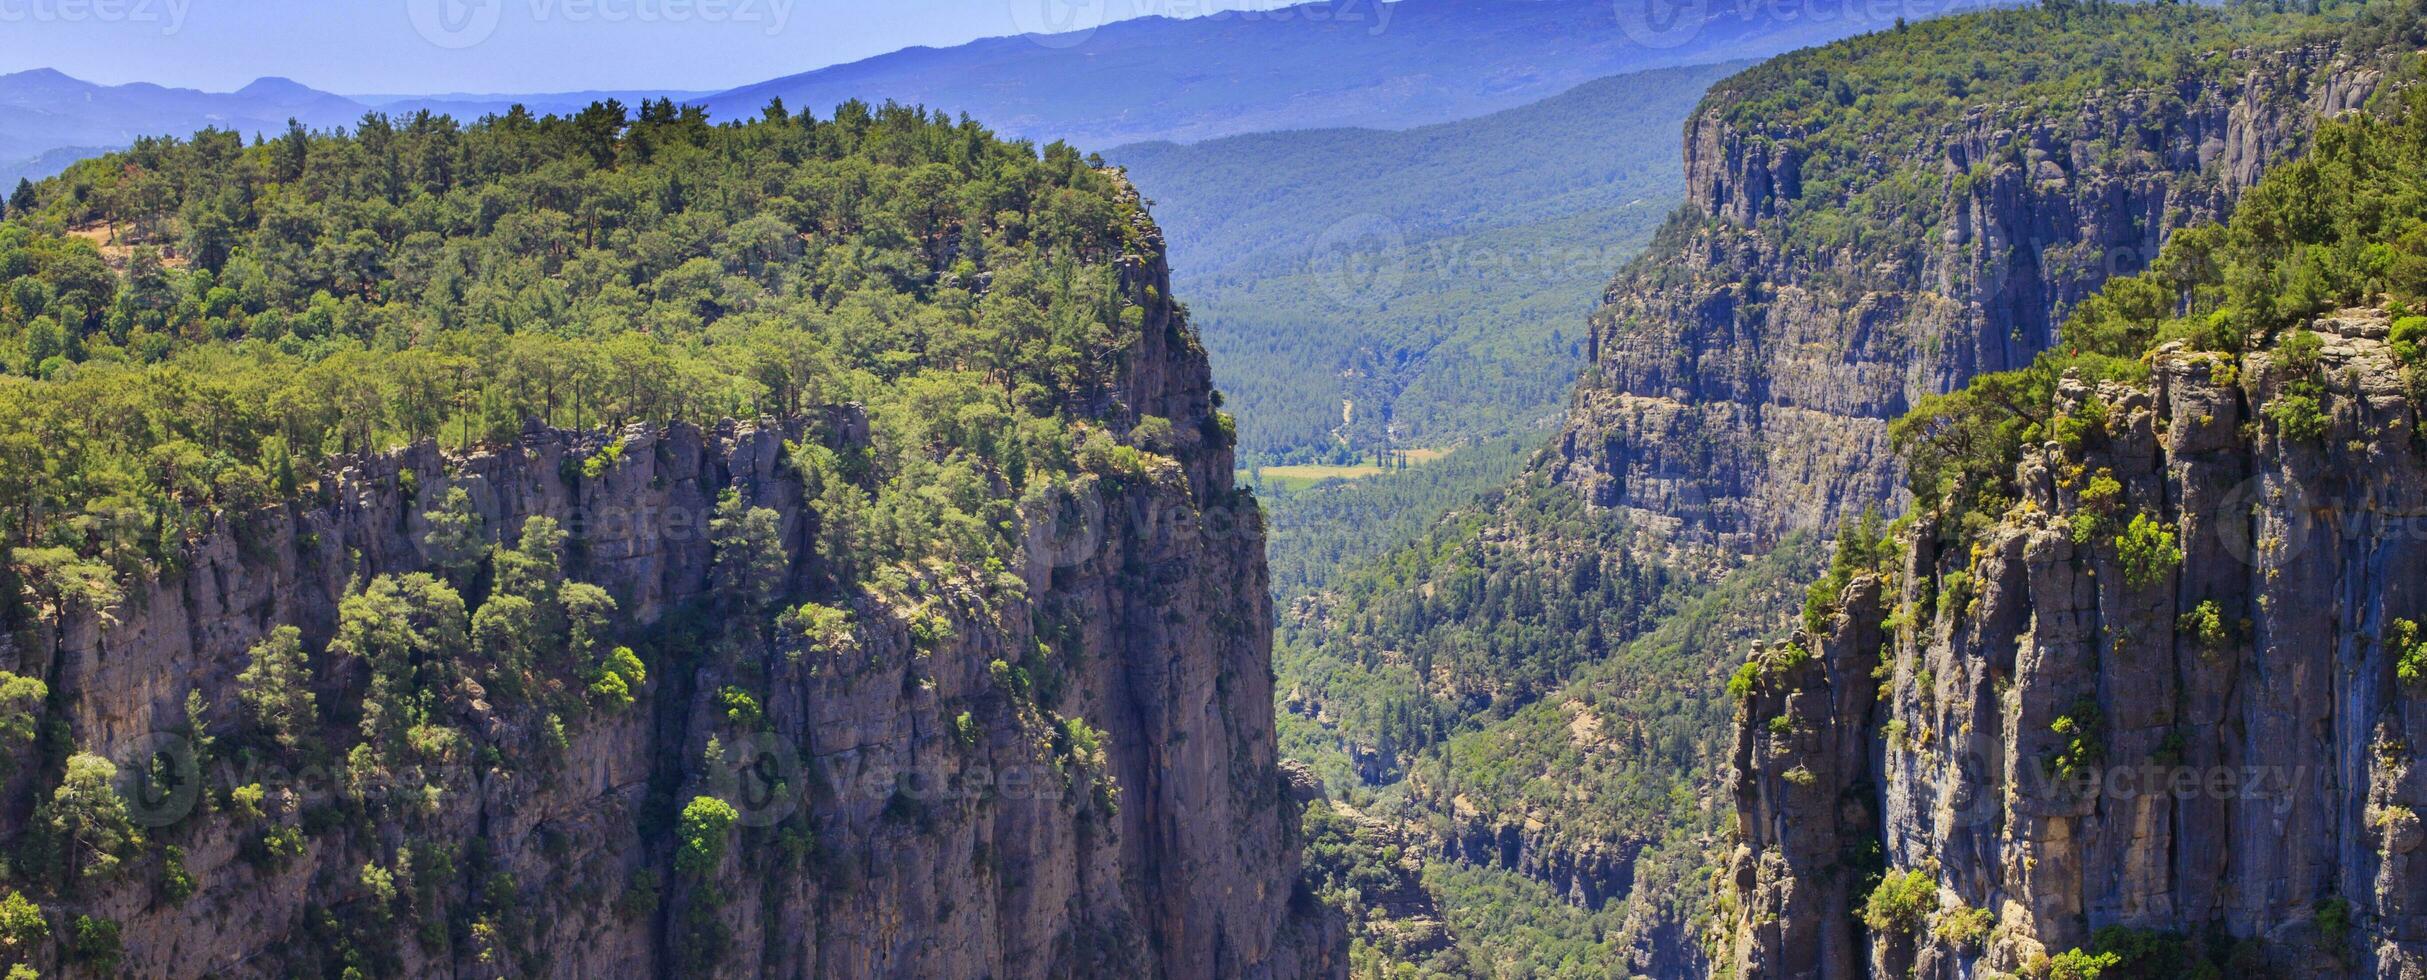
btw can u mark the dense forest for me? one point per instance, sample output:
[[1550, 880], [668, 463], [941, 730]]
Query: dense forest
[[1836, 103], [196, 325]]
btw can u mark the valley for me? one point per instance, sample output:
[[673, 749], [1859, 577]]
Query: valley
[[1468, 682], [1384, 290], [1423, 490]]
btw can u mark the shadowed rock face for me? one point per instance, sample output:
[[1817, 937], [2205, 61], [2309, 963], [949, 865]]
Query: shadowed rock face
[[1745, 376], [2257, 777], [929, 822]]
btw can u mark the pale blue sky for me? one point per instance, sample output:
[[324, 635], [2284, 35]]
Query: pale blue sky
[[417, 46]]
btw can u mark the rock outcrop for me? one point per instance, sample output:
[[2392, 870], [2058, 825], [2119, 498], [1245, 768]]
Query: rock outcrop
[[1745, 370], [2208, 739], [1060, 769]]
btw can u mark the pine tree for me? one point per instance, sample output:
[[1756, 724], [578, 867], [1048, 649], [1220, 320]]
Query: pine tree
[[276, 687]]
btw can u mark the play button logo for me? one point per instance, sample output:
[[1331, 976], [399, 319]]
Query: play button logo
[[455, 24]]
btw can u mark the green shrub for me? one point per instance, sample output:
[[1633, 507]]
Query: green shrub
[[21, 924], [619, 678], [2297, 418], [2409, 334], [2147, 551], [705, 822], [2205, 626], [1740, 683], [2409, 651], [1962, 927], [826, 629], [2128, 954], [2334, 924], [2076, 964], [741, 709], [2299, 412], [282, 844], [603, 460], [2084, 424], [2098, 500], [1863, 545], [176, 883], [2082, 728], [1903, 901], [97, 944]]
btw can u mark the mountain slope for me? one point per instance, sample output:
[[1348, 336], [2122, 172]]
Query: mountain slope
[[1485, 238], [1325, 64], [405, 577]]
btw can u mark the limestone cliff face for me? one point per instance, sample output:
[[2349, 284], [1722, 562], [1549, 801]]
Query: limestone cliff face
[[2062, 740], [1745, 372], [910, 806]]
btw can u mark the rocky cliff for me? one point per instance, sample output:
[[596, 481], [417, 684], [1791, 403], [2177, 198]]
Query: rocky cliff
[[2199, 743], [1061, 768], [1746, 368], [1867, 224]]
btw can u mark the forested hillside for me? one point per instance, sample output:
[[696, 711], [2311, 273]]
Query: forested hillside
[[612, 545], [1366, 290], [1866, 221]]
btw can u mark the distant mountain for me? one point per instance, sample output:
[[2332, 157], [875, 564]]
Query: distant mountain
[[42, 111], [1333, 63], [45, 164], [1326, 64], [49, 120]]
